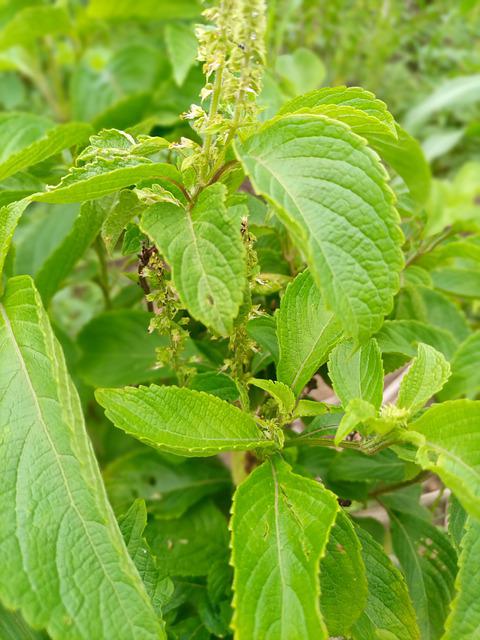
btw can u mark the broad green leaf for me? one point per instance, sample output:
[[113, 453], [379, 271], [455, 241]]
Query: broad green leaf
[[52, 142], [9, 217], [147, 9], [13, 627], [190, 545], [103, 363], [282, 394], [357, 411], [330, 190], [204, 248], [449, 445], [19, 130], [45, 453], [357, 372], [456, 281], [34, 22], [356, 466], [306, 407], [168, 488], [426, 376], [464, 618], [132, 525], [263, 330], [429, 563], [182, 49], [389, 614], [306, 332], [342, 572], [353, 97], [217, 384], [403, 336], [182, 421], [280, 526], [61, 262], [301, 71]]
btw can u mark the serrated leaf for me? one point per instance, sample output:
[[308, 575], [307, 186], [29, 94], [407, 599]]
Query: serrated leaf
[[280, 526], [465, 378], [389, 613], [429, 563], [306, 407], [132, 526], [103, 363], [52, 142], [357, 411], [330, 190], [188, 546], [61, 262], [342, 572], [45, 452], [168, 488], [426, 376], [464, 618], [181, 421], [306, 332], [217, 384], [182, 49], [9, 217], [282, 394], [204, 248], [357, 372], [450, 447]]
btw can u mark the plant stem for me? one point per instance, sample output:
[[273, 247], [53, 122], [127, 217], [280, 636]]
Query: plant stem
[[103, 279]]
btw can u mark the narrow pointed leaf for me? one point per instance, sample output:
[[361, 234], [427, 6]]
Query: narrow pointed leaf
[[389, 612], [342, 572], [10, 214], [280, 526], [464, 619], [450, 446], [306, 332], [55, 515], [181, 421], [204, 248], [429, 563], [465, 378], [330, 190], [282, 394], [426, 376], [357, 372]]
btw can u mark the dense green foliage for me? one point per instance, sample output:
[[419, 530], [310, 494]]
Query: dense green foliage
[[239, 320]]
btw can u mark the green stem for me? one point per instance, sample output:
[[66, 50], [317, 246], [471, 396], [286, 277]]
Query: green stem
[[103, 279]]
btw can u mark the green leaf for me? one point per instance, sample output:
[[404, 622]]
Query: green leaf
[[457, 518], [306, 332], [182, 49], [9, 217], [61, 262], [280, 526], [357, 412], [306, 407], [429, 563], [103, 363], [45, 452], [204, 248], [147, 9], [19, 130], [351, 97], [132, 525], [168, 488], [34, 22], [342, 572], [263, 330], [355, 466], [330, 190], [464, 283], [449, 445], [52, 142], [403, 337], [357, 372], [464, 618], [426, 376], [217, 384], [182, 421], [190, 545], [13, 627], [389, 614], [126, 208], [282, 394], [301, 71]]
